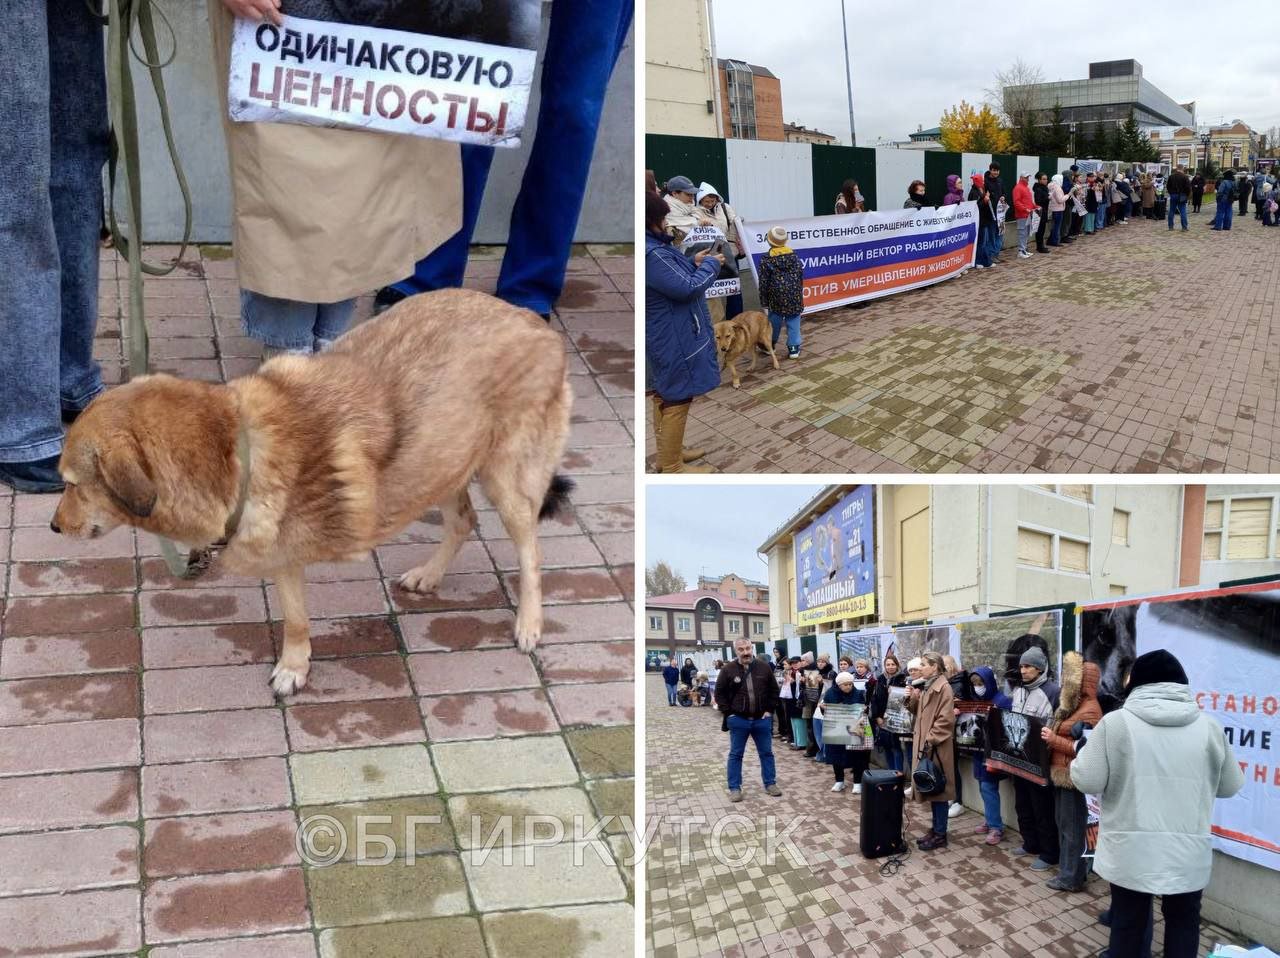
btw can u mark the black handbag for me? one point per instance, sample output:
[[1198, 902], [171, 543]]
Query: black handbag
[[928, 777]]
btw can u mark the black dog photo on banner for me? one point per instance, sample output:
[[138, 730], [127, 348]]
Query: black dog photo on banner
[[971, 727], [1014, 746]]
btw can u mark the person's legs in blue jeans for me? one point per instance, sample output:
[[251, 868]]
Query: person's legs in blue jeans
[[762, 734], [1056, 232], [893, 757], [739, 732], [583, 44], [53, 143], [817, 738], [286, 325], [1228, 211], [984, 246], [332, 320], [991, 803], [940, 810], [1182, 209], [793, 331], [671, 694]]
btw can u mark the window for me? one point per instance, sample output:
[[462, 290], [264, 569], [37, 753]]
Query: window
[[682, 624], [655, 623], [733, 593], [1119, 527], [757, 628], [1083, 493], [735, 627], [1212, 550], [1073, 556], [1248, 528], [1116, 590], [1035, 548]]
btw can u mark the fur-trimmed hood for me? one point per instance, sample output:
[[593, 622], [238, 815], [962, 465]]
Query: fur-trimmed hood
[[1078, 702]]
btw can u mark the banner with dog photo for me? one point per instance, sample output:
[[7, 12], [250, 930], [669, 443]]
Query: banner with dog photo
[[847, 726], [712, 240], [433, 68], [835, 562], [1228, 641], [998, 642], [855, 257]]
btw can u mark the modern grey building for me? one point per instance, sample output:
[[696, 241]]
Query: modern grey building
[[1113, 89]]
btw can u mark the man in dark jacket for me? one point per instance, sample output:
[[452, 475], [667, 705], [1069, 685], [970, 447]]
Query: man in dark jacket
[[1040, 190], [671, 676], [1179, 186], [995, 189], [1224, 192], [1244, 186], [746, 694]]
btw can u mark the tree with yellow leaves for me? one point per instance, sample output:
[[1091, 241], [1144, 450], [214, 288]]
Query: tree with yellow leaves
[[966, 130]]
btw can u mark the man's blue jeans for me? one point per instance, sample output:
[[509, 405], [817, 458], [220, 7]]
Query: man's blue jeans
[[759, 731], [53, 143], [671, 693], [1056, 233], [583, 44], [995, 240], [1178, 203], [1222, 218]]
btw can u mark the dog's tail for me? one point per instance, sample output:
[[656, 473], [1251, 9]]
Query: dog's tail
[[557, 496]]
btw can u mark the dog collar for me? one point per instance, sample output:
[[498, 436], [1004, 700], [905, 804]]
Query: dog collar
[[242, 451]]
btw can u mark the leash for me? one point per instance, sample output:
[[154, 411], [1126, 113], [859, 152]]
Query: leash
[[121, 18]]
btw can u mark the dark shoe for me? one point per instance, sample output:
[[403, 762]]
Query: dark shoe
[[1057, 884], [934, 841], [927, 836], [1104, 917], [38, 476], [387, 297], [70, 415], [1040, 865]]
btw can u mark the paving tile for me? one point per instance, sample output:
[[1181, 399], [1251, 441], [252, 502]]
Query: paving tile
[[360, 774], [60, 655], [454, 717], [618, 548], [396, 560], [570, 586], [83, 925], [202, 605], [352, 894], [237, 643], [541, 876], [233, 785], [557, 552], [615, 800], [432, 938], [207, 688], [587, 623], [472, 672], [587, 662], [70, 698], [155, 574], [504, 764], [522, 817], [213, 906], [69, 747], [330, 725], [414, 826], [42, 543], [608, 517], [358, 679], [35, 510], [63, 614], [603, 752], [245, 733], [68, 861], [458, 631], [606, 704], [42, 802], [466, 590], [201, 844], [342, 638], [599, 931], [73, 576], [332, 599], [297, 945]]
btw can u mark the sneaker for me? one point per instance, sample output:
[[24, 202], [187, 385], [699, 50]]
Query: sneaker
[[906, 792], [982, 829], [933, 842], [995, 836], [857, 789], [40, 475], [1040, 865], [838, 787], [980, 266], [1057, 884], [735, 794], [1022, 850], [1022, 255], [955, 811], [793, 352], [773, 790]]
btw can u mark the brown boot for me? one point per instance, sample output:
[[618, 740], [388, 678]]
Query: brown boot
[[686, 455], [670, 441]]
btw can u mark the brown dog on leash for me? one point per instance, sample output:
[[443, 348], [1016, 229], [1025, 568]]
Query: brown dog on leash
[[743, 334], [321, 458]]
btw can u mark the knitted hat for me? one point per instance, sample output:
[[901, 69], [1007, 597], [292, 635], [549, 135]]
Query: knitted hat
[[1157, 666], [1034, 657], [978, 180], [777, 236]]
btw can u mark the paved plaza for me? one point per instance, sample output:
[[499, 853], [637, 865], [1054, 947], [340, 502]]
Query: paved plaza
[[969, 899], [151, 787], [1138, 350]]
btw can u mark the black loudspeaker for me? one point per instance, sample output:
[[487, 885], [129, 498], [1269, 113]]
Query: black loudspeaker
[[881, 829]]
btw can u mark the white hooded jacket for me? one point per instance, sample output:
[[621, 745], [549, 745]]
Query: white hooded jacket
[[723, 216]]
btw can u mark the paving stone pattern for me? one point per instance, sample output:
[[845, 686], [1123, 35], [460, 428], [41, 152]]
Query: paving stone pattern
[[151, 786], [1137, 350], [969, 899]]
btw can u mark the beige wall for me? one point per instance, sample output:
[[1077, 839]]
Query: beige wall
[[1215, 570], [677, 70]]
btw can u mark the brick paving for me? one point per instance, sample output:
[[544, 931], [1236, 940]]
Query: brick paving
[[151, 787], [1138, 350], [969, 899]]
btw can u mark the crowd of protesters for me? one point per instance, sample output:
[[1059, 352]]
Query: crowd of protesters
[[1154, 831]]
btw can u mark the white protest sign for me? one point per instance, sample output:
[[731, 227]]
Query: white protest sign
[[372, 78], [708, 237]]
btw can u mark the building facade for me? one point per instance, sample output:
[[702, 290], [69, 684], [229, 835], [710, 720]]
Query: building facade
[[680, 85], [798, 133], [752, 98], [700, 624], [1233, 145], [735, 587]]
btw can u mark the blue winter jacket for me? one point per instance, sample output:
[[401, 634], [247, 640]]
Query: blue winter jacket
[[680, 346], [989, 694], [670, 674]]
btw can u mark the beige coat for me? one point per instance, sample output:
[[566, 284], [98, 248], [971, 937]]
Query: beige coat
[[935, 724], [321, 215]]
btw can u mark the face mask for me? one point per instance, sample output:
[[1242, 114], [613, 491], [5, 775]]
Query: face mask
[[980, 690]]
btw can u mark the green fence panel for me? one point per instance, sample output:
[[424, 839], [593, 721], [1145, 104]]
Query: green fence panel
[[697, 157], [1049, 164], [809, 643], [938, 165], [832, 165]]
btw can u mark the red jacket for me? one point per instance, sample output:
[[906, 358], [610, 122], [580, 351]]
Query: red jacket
[[1023, 202]]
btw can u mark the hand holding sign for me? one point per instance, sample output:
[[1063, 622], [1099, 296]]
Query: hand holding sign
[[256, 10]]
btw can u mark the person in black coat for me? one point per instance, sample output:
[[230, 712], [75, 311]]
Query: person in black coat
[[687, 672], [1197, 192], [846, 692], [892, 676], [1040, 190]]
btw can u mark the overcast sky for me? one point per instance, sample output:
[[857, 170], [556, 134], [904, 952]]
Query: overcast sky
[[911, 61], [713, 530]]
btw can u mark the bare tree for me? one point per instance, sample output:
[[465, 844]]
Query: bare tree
[[1010, 96]]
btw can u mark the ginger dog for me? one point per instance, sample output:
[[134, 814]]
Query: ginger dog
[[743, 334]]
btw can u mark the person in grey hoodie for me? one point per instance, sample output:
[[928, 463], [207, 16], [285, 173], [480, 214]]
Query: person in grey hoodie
[[1038, 697], [1158, 764]]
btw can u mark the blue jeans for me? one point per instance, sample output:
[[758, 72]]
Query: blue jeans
[[817, 738], [53, 144], [285, 324], [793, 328], [1056, 233], [759, 731], [1178, 203], [583, 44], [990, 801], [995, 239], [940, 810], [671, 693], [1128, 208], [1222, 218], [984, 244]]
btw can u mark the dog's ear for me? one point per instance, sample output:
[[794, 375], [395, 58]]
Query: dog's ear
[[124, 471]]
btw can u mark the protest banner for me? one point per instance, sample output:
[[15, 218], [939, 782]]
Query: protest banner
[[860, 256], [913, 640], [999, 641], [835, 562], [1014, 746], [971, 727], [846, 726], [1228, 641], [897, 718], [864, 644], [467, 80], [710, 238]]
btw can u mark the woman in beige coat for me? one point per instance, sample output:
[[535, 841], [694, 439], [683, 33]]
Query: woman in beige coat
[[1148, 185], [935, 735], [321, 216]]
